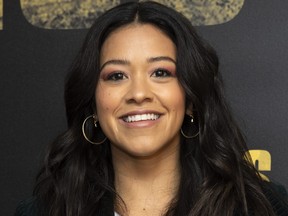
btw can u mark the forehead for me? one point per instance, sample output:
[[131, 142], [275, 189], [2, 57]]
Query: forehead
[[133, 39]]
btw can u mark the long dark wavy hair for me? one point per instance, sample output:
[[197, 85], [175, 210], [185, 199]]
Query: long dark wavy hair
[[217, 178]]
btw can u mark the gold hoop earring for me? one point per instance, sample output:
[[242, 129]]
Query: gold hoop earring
[[186, 136], [189, 137], [95, 125]]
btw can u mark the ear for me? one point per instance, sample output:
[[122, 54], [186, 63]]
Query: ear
[[189, 109], [95, 116]]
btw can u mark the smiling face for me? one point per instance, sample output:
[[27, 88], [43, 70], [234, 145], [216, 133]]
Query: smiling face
[[140, 103]]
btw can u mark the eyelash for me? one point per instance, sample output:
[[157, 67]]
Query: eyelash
[[116, 76], [163, 71]]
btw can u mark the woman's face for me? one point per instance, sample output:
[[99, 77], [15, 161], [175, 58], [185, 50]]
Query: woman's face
[[140, 103]]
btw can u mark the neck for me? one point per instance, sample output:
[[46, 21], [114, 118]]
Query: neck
[[146, 184]]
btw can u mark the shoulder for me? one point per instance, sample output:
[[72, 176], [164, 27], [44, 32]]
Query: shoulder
[[277, 196], [27, 207]]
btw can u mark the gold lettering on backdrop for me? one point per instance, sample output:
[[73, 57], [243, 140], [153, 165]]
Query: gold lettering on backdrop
[[1, 14], [64, 14], [206, 12], [261, 160], [78, 14]]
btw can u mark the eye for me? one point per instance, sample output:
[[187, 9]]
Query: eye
[[116, 76], [160, 72]]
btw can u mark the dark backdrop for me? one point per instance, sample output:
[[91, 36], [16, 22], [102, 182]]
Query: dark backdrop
[[253, 51]]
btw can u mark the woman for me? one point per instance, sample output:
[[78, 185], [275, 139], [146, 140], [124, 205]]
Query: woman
[[149, 132]]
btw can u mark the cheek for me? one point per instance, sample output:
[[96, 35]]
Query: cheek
[[175, 97], [106, 99], [102, 99]]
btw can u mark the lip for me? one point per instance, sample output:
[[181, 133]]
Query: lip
[[140, 112], [142, 123]]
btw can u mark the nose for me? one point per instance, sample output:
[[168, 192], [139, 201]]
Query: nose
[[139, 91]]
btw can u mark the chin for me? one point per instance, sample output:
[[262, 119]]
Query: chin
[[147, 151], [142, 152]]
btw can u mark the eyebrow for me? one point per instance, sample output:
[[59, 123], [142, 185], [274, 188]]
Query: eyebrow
[[161, 58], [115, 62], [126, 62]]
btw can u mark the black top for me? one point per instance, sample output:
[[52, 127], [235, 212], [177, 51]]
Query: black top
[[276, 195]]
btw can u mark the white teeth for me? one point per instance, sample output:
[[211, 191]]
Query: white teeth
[[142, 117]]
